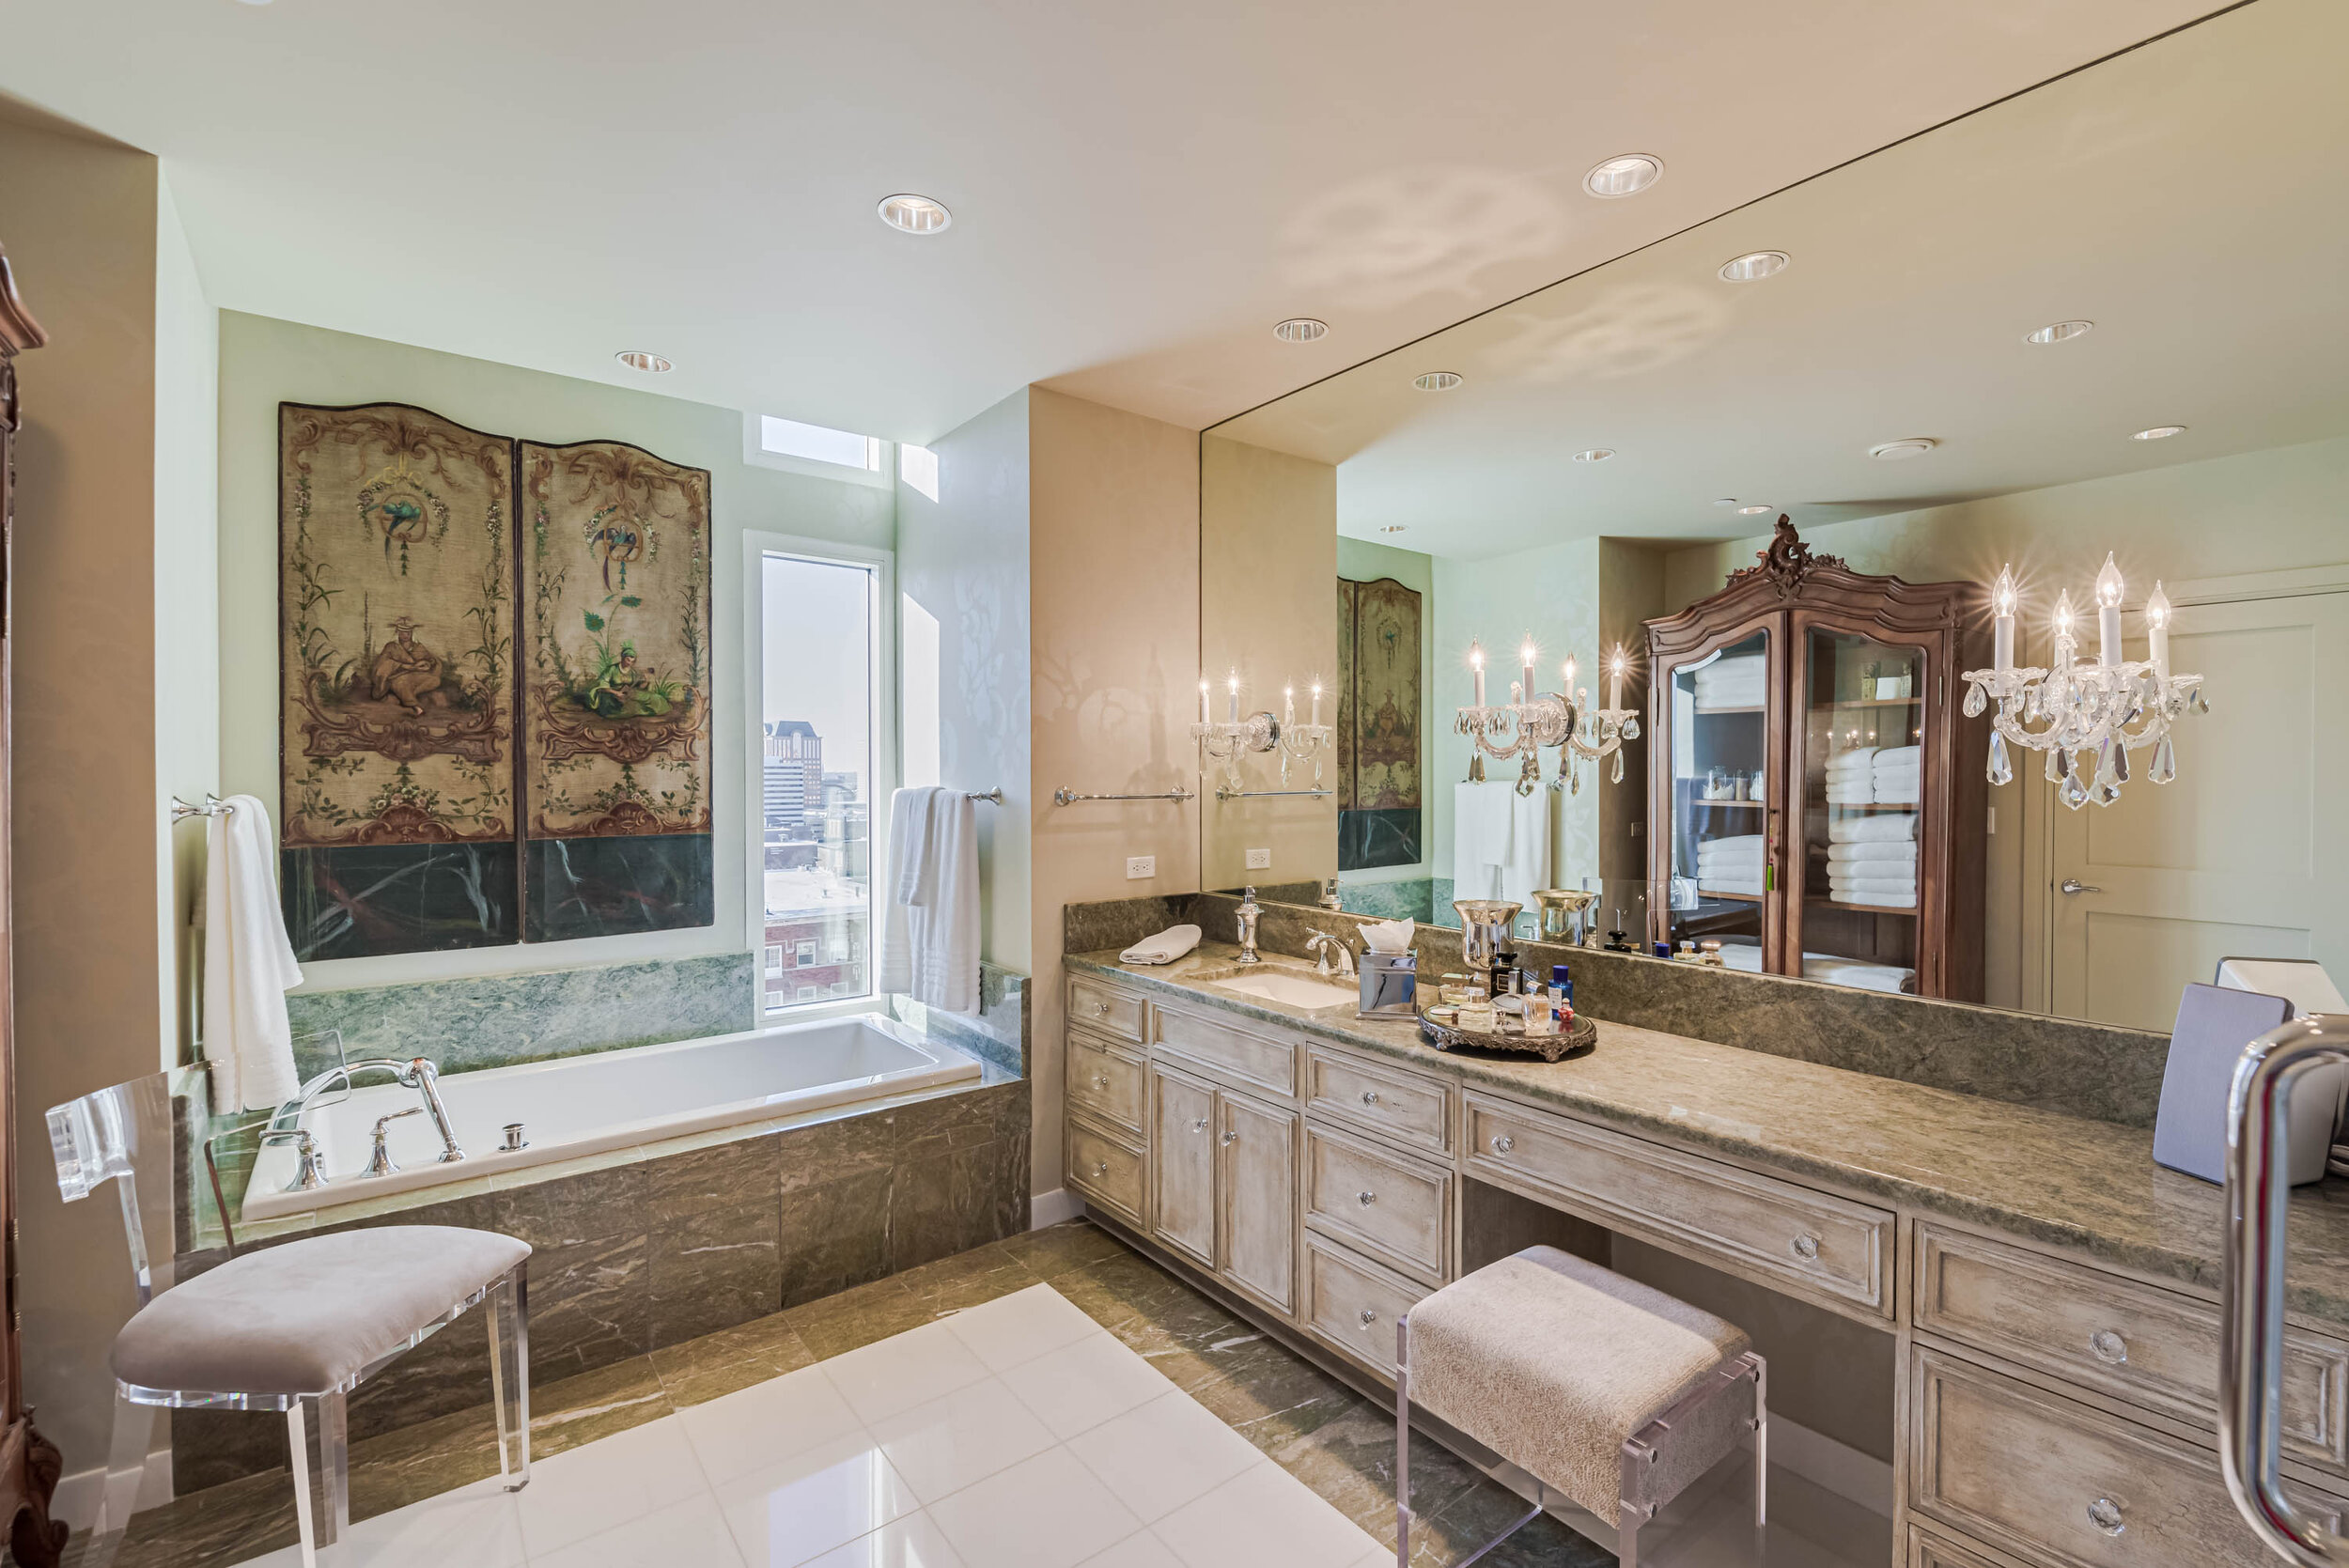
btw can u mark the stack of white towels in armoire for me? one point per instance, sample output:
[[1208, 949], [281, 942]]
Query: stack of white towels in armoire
[[1731, 682], [1873, 860], [1871, 775], [1731, 865]]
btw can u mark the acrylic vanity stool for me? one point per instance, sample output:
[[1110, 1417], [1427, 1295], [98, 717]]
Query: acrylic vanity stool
[[1603, 1390]]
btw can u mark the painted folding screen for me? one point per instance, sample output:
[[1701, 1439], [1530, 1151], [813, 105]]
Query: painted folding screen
[[396, 761], [1378, 717]]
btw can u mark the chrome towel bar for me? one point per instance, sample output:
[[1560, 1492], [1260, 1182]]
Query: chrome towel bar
[[1070, 796]]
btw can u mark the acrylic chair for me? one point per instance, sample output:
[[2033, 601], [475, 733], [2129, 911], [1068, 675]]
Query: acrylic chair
[[289, 1328]]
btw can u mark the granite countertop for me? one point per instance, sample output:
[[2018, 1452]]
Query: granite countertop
[[2088, 1186]]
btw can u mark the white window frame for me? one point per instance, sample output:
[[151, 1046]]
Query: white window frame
[[774, 950], [755, 453], [757, 544]]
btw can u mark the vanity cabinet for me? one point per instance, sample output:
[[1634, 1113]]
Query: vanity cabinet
[[1182, 1161], [1255, 1200], [1817, 805]]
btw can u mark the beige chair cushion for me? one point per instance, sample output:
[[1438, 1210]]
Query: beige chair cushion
[[305, 1316], [1551, 1362]]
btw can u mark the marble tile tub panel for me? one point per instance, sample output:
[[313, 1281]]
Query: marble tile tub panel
[[635, 1256], [2060, 1064], [999, 1035], [497, 1020]]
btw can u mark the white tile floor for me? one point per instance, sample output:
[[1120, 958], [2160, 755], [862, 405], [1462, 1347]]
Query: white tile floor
[[1016, 1435]]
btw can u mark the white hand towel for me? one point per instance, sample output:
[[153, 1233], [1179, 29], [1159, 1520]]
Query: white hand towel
[[248, 964], [930, 930], [1164, 948], [900, 884], [1480, 820], [1882, 828], [1528, 865]]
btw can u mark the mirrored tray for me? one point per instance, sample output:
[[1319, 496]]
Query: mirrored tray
[[1580, 1039]]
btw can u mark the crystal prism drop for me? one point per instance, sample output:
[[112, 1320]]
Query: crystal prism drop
[[2105, 793], [2120, 764], [2164, 766], [2055, 765], [1974, 701], [2072, 792], [2001, 769], [1619, 766]]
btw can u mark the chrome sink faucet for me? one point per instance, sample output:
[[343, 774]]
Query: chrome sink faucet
[[1323, 945], [1249, 912]]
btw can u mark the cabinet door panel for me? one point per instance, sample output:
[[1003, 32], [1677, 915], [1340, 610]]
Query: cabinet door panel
[[1182, 1158], [1256, 1191]]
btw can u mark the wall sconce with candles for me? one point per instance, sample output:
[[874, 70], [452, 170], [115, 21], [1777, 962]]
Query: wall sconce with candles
[[1563, 719], [1235, 738], [2086, 709]]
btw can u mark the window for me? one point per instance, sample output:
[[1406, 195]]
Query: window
[[820, 768], [770, 441]]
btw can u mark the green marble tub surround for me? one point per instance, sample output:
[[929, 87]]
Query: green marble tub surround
[[2072, 1181], [999, 1034], [498, 1020], [2061, 1064]]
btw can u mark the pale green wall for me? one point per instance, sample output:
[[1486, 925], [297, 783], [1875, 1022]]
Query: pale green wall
[[264, 362], [1360, 561]]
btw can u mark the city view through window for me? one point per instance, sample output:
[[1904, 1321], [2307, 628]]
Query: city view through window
[[817, 799]]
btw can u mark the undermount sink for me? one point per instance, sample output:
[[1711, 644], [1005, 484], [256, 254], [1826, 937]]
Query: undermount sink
[[1290, 988]]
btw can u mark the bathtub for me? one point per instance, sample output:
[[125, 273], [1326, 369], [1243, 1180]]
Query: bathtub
[[580, 1104]]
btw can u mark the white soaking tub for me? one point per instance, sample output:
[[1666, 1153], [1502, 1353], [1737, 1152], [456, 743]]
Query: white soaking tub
[[582, 1105]]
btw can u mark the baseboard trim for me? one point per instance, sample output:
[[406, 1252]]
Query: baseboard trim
[[1050, 1208], [1830, 1466], [79, 1495]]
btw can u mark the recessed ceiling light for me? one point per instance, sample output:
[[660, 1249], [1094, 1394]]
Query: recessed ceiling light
[[1755, 266], [1910, 446], [1302, 329], [915, 214], [1754, 511], [1392, 527], [1595, 455], [1436, 381], [2159, 432], [2057, 332], [1626, 175], [637, 359]]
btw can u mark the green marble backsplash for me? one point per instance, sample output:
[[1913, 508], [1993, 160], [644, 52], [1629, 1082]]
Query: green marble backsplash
[[499, 1019]]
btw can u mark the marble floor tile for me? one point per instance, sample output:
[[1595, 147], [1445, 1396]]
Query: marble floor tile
[[966, 1278], [1080, 1385], [1140, 1550], [691, 1532], [913, 1542], [1263, 1514], [838, 1324], [1057, 1248], [1049, 1511], [768, 1423], [1162, 1454], [1276, 1397], [901, 1371], [785, 1513], [477, 1526], [594, 1405], [947, 1443], [1018, 1327], [604, 1484]]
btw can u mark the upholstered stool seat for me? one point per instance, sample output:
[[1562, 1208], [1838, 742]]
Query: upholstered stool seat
[[309, 1315], [1602, 1389]]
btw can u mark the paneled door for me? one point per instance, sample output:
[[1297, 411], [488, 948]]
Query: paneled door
[[1182, 1159], [1256, 1189], [2246, 853]]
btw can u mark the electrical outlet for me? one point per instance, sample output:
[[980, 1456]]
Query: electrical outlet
[[1260, 859], [1140, 866]]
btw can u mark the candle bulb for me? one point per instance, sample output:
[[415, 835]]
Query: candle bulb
[[2003, 620], [2109, 590], [2157, 630], [1569, 677], [1525, 657], [1231, 690], [1288, 706], [1203, 701], [1317, 703], [1476, 662], [2064, 642], [1614, 678]]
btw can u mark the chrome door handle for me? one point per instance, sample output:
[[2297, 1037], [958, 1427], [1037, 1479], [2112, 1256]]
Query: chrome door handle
[[2071, 887]]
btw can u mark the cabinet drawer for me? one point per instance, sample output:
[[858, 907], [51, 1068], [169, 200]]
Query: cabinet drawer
[[1104, 1083], [1827, 1245], [2050, 1479], [1394, 1103], [1928, 1550], [1106, 1010], [1105, 1170], [2137, 1341], [1351, 1303], [1397, 1210], [1254, 1060]]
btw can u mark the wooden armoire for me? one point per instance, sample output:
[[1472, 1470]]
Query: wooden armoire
[[1817, 805], [29, 1465]]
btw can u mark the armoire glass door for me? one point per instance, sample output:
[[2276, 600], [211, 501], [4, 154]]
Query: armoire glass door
[[1720, 883], [1861, 716]]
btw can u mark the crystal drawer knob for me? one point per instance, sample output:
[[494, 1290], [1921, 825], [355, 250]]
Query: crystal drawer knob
[[2105, 1515], [1200, 1125], [1369, 1317], [1806, 1248], [1231, 1138], [2110, 1347], [1103, 1008], [1100, 1168], [1503, 1143], [1365, 1198], [1370, 1096], [1100, 1080]]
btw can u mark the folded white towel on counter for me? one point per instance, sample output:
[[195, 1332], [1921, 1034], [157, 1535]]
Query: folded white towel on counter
[[1890, 757], [1882, 828], [1854, 973], [1741, 955], [1164, 948], [1898, 852], [248, 963]]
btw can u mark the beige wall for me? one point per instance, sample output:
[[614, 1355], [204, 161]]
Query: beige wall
[[1113, 541], [1360, 561], [264, 362], [2280, 510], [89, 842], [1267, 607], [962, 561]]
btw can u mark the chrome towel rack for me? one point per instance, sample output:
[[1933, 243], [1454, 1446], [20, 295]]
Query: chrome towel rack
[[1225, 792], [992, 797], [213, 806], [1070, 796]]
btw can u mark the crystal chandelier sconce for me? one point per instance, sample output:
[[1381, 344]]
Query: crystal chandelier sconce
[[1527, 723], [1227, 742], [1305, 742], [2087, 716]]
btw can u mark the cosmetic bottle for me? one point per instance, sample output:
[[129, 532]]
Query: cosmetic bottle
[[1540, 1016]]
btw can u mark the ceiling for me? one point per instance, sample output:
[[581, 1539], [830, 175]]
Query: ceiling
[[1138, 191], [2185, 197]]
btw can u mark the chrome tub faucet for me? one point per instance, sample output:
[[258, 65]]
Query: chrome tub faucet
[[418, 1073]]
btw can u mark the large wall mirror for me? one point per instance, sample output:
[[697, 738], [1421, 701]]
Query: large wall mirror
[[2104, 318]]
